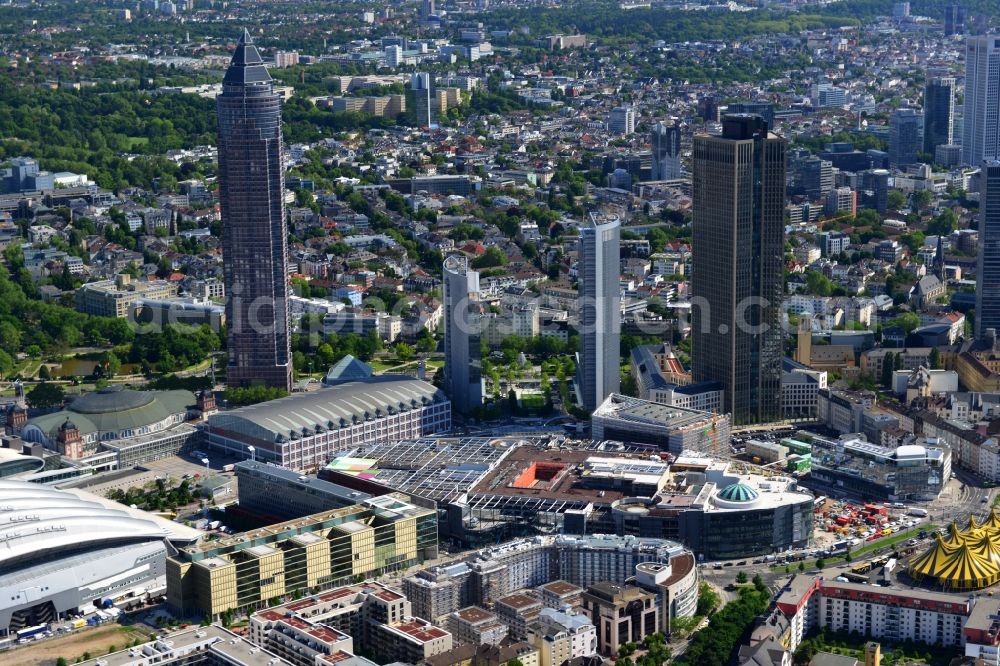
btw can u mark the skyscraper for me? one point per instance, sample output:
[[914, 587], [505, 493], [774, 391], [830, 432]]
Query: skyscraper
[[904, 137], [254, 233], [988, 278], [418, 99], [738, 263], [463, 370], [981, 124], [666, 142], [954, 20], [939, 112], [599, 373]]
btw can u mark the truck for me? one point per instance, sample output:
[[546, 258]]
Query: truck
[[28, 633], [840, 545], [921, 513], [78, 623]]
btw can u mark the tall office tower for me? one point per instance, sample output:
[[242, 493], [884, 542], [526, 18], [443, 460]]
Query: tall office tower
[[463, 369], [666, 143], [419, 98], [988, 278], [954, 20], [254, 232], [426, 9], [904, 137], [939, 112], [738, 263], [621, 120], [981, 128], [599, 263]]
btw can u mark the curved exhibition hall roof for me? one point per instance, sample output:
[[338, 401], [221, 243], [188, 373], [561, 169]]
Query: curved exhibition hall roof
[[114, 409], [345, 405], [38, 522]]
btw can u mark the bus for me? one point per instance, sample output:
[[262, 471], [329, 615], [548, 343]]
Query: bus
[[28, 633]]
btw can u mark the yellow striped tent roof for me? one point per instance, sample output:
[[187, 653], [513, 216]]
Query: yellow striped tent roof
[[955, 536], [964, 570], [933, 560], [986, 545], [963, 559]]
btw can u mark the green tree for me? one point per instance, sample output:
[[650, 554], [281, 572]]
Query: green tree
[[888, 365], [943, 224], [6, 364], [896, 200], [493, 257], [708, 600], [45, 395], [741, 577], [908, 321], [922, 199], [934, 359], [404, 352]]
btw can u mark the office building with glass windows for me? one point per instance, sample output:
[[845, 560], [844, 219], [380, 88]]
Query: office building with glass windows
[[738, 266]]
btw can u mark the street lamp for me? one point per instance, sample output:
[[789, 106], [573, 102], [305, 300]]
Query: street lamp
[[207, 469], [252, 451]]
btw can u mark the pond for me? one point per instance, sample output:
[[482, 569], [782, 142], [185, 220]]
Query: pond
[[79, 366]]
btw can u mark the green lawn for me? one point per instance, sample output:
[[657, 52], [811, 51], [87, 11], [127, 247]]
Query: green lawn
[[868, 547], [532, 400]]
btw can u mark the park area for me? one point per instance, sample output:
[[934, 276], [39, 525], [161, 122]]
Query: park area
[[87, 643]]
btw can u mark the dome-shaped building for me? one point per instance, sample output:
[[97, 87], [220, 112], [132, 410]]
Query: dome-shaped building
[[737, 493], [114, 419]]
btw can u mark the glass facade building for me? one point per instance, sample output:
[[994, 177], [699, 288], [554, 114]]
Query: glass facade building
[[254, 231], [599, 374], [737, 271], [939, 113], [988, 279]]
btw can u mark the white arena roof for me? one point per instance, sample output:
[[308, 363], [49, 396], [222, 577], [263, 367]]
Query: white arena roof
[[37, 520]]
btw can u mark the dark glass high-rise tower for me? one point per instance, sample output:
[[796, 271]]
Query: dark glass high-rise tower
[[666, 142], [988, 277], [254, 233], [738, 264], [939, 112]]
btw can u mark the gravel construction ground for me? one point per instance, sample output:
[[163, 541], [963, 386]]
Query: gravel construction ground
[[97, 641]]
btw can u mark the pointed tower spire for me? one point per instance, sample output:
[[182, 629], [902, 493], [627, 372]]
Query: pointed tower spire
[[246, 67]]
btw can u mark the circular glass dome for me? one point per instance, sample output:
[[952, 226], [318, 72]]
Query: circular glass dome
[[738, 492]]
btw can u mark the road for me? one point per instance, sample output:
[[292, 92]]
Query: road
[[963, 495]]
